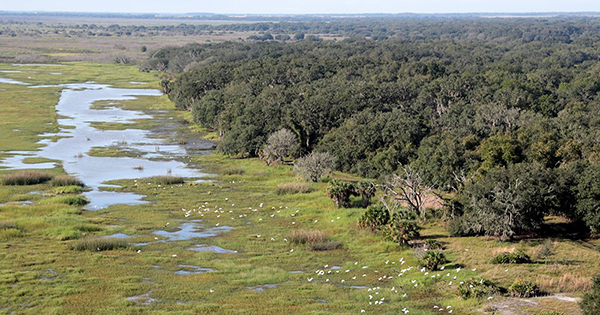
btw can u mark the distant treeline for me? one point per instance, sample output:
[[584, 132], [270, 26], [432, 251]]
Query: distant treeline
[[382, 28], [506, 113]]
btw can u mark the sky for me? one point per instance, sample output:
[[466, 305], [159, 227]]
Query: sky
[[302, 6]]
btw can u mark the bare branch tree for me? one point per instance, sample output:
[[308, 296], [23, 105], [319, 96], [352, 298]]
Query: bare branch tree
[[409, 189]]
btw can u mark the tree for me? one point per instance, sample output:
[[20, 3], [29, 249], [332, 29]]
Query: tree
[[314, 166], [408, 188], [340, 191], [366, 190], [590, 304], [280, 144]]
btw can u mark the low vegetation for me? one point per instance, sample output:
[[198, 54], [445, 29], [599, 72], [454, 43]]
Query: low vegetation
[[293, 188], [65, 180], [515, 257], [26, 178], [99, 244], [165, 180], [477, 288], [523, 289]]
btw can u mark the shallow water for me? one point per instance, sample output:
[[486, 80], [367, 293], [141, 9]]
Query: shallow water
[[262, 287], [77, 137], [11, 81], [212, 248], [192, 270], [117, 235], [188, 231]]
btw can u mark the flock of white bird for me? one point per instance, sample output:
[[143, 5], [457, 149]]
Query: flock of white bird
[[334, 274]]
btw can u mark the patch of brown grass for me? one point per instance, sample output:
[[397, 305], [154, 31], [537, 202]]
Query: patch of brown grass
[[306, 237], [567, 283], [293, 188]]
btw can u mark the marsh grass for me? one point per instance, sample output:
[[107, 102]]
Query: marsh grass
[[306, 237], [65, 180], [21, 178], [165, 180], [68, 200], [9, 230], [293, 188], [65, 190], [326, 245], [99, 244]]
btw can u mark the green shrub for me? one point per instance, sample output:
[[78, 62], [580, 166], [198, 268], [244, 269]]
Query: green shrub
[[402, 228], [511, 258], [524, 289], [101, 244], [69, 200], [326, 245], [590, 304], [433, 244], [376, 216], [165, 180], [65, 180], [433, 259], [293, 188], [26, 178], [477, 288]]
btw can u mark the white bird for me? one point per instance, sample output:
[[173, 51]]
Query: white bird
[[309, 279], [211, 290]]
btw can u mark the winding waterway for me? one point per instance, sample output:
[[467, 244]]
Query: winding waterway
[[77, 137]]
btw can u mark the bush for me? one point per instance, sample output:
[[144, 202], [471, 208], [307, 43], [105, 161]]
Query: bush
[[306, 237], [69, 200], [314, 166], [524, 289], [280, 144], [477, 288], [99, 244], [433, 244], [65, 180], [366, 190], [546, 250], [403, 227], [326, 245], [26, 178], [166, 180], [375, 217], [433, 259], [511, 258], [293, 188], [590, 304], [340, 191]]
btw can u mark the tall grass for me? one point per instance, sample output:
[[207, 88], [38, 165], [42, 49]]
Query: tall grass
[[9, 230], [65, 180], [306, 237], [100, 244], [293, 188], [69, 200], [26, 178], [166, 180], [567, 283]]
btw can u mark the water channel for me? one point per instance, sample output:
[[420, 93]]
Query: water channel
[[77, 137]]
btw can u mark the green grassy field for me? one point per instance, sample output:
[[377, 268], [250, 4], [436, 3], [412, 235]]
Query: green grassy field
[[41, 273]]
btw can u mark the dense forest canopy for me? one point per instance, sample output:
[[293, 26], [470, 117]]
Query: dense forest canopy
[[489, 108]]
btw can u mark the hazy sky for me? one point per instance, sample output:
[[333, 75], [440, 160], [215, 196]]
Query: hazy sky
[[303, 6]]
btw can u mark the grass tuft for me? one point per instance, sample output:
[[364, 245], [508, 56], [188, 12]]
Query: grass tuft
[[326, 245], [293, 188], [69, 200], [166, 180], [65, 190], [99, 244], [65, 180], [26, 178], [306, 237]]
